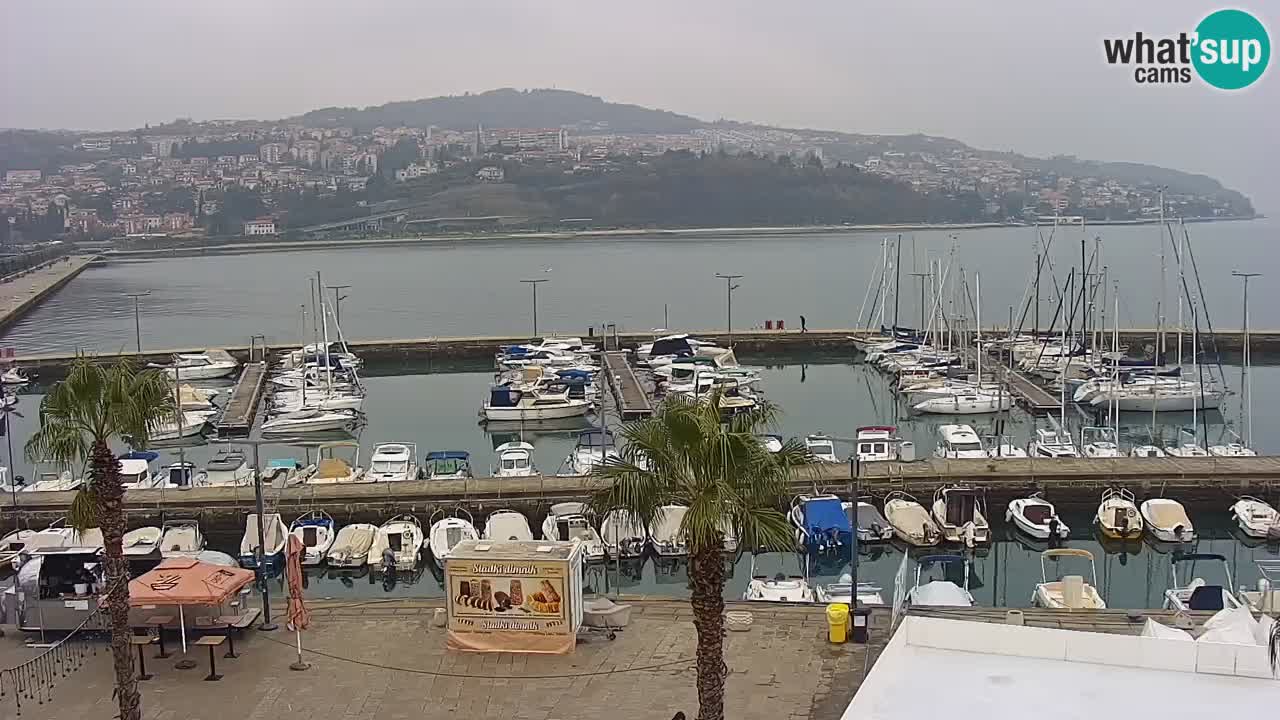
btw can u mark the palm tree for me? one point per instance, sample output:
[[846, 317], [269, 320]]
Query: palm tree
[[1273, 646], [686, 454], [79, 418]]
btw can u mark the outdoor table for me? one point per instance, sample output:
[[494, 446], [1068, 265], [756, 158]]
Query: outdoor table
[[212, 641], [141, 641], [159, 621], [229, 622]]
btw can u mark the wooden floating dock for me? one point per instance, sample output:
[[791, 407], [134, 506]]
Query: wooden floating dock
[[1032, 396], [237, 417], [629, 395]]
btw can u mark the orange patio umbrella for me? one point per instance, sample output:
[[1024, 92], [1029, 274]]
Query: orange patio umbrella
[[186, 581]]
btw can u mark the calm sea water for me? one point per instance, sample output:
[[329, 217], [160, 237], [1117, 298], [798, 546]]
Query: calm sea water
[[471, 287]]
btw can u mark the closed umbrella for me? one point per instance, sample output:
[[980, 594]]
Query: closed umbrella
[[299, 616]]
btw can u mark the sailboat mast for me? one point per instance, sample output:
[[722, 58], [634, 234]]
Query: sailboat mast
[[1160, 344], [324, 323], [897, 280], [884, 277], [977, 312], [1182, 283]]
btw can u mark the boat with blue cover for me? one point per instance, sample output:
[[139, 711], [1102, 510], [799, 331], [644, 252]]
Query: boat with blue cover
[[821, 523]]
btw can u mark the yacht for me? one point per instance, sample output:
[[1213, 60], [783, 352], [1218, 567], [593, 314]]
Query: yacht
[[228, 466], [821, 523], [570, 521], [316, 532], [446, 533], [822, 448], [911, 522], [393, 461], [1118, 516], [974, 403], [960, 513], [200, 366], [1069, 592], [274, 535], [664, 531], [309, 421], [1099, 442], [623, 534], [1198, 594], [877, 443], [958, 442], [507, 525], [595, 447], [1256, 519], [507, 404], [350, 548], [1036, 517], [515, 459], [447, 465], [180, 537], [1052, 443], [941, 592], [402, 535]]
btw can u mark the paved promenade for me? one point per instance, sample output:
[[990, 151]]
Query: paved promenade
[[385, 660], [20, 293]]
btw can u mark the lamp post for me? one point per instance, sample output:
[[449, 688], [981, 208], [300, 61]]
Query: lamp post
[[1245, 391], [137, 325], [534, 284], [729, 288], [259, 551], [337, 302]]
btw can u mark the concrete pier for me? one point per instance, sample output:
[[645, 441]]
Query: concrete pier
[[20, 293]]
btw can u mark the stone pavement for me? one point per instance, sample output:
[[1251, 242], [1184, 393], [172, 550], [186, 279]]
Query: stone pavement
[[19, 292], [384, 660]]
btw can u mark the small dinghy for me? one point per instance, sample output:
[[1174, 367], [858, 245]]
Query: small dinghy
[[1167, 520], [910, 521], [274, 535], [143, 541], [870, 525], [507, 525], [623, 535], [1036, 517], [446, 533], [400, 539], [821, 523], [1256, 519], [569, 521], [316, 531], [350, 548], [1118, 516], [780, 588], [664, 533], [181, 537], [1069, 591]]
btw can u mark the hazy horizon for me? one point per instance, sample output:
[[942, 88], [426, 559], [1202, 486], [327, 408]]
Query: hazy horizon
[[1013, 77]]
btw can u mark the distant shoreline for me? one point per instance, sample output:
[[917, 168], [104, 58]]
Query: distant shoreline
[[233, 247]]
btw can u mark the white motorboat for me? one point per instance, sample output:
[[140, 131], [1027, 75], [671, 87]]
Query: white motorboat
[[1146, 451], [308, 421], [877, 443], [779, 588], [227, 467], [771, 443], [1198, 594], [1256, 519], [940, 591], [14, 376], [318, 399], [188, 423], [842, 591], [1232, 449], [447, 465], [911, 522], [179, 476], [316, 531], [274, 535], [1167, 520], [595, 447], [821, 523], [392, 462], [1068, 592], [961, 515], [967, 404], [1186, 450], [142, 541], [1000, 447], [870, 525], [1036, 517], [623, 535], [54, 482], [822, 448], [507, 525], [958, 442], [194, 398], [401, 540], [571, 521], [12, 545], [664, 531], [508, 404], [200, 366], [1099, 442], [445, 535], [333, 468], [180, 537], [350, 548], [135, 470], [1052, 443], [1118, 516], [515, 459]]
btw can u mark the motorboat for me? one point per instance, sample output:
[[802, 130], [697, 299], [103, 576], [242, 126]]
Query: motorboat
[[1256, 519], [228, 467], [821, 523], [1232, 449], [1265, 597], [309, 421], [779, 588], [446, 533], [1167, 520], [1118, 516], [975, 403], [180, 476], [570, 521], [822, 448], [392, 462], [400, 539], [958, 442], [62, 481], [507, 525], [142, 541], [1099, 442], [595, 447], [332, 468], [877, 443], [508, 404], [319, 398], [911, 522], [867, 521], [1198, 594], [1146, 451], [842, 591], [180, 537], [940, 591], [316, 531], [664, 531], [12, 545], [1000, 447], [771, 443], [447, 465], [185, 424], [286, 472], [961, 515], [271, 548], [14, 376], [1052, 443], [1068, 592], [1036, 517], [1186, 450], [199, 366], [515, 459], [194, 398], [350, 548], [135, 469], [623, 534]]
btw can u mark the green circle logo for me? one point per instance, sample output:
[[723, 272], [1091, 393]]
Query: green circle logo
[[1232, 49]]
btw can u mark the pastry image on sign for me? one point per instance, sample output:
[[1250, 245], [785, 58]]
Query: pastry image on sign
[[502, 596]]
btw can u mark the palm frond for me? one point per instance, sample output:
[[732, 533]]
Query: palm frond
[[83, 512]]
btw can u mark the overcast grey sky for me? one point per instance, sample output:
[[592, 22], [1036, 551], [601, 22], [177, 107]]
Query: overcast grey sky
[[1002, 74]]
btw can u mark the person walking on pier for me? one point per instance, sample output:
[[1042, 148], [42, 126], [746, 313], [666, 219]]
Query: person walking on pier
[[803, 327]]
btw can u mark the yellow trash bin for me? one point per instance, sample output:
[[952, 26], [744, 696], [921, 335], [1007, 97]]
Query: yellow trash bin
[[837, 622]]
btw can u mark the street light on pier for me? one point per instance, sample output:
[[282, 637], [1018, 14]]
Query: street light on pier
[[729, 288], [533, 283], [337, 302]]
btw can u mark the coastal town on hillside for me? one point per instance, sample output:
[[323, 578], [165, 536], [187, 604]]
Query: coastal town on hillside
[[231, 178]]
